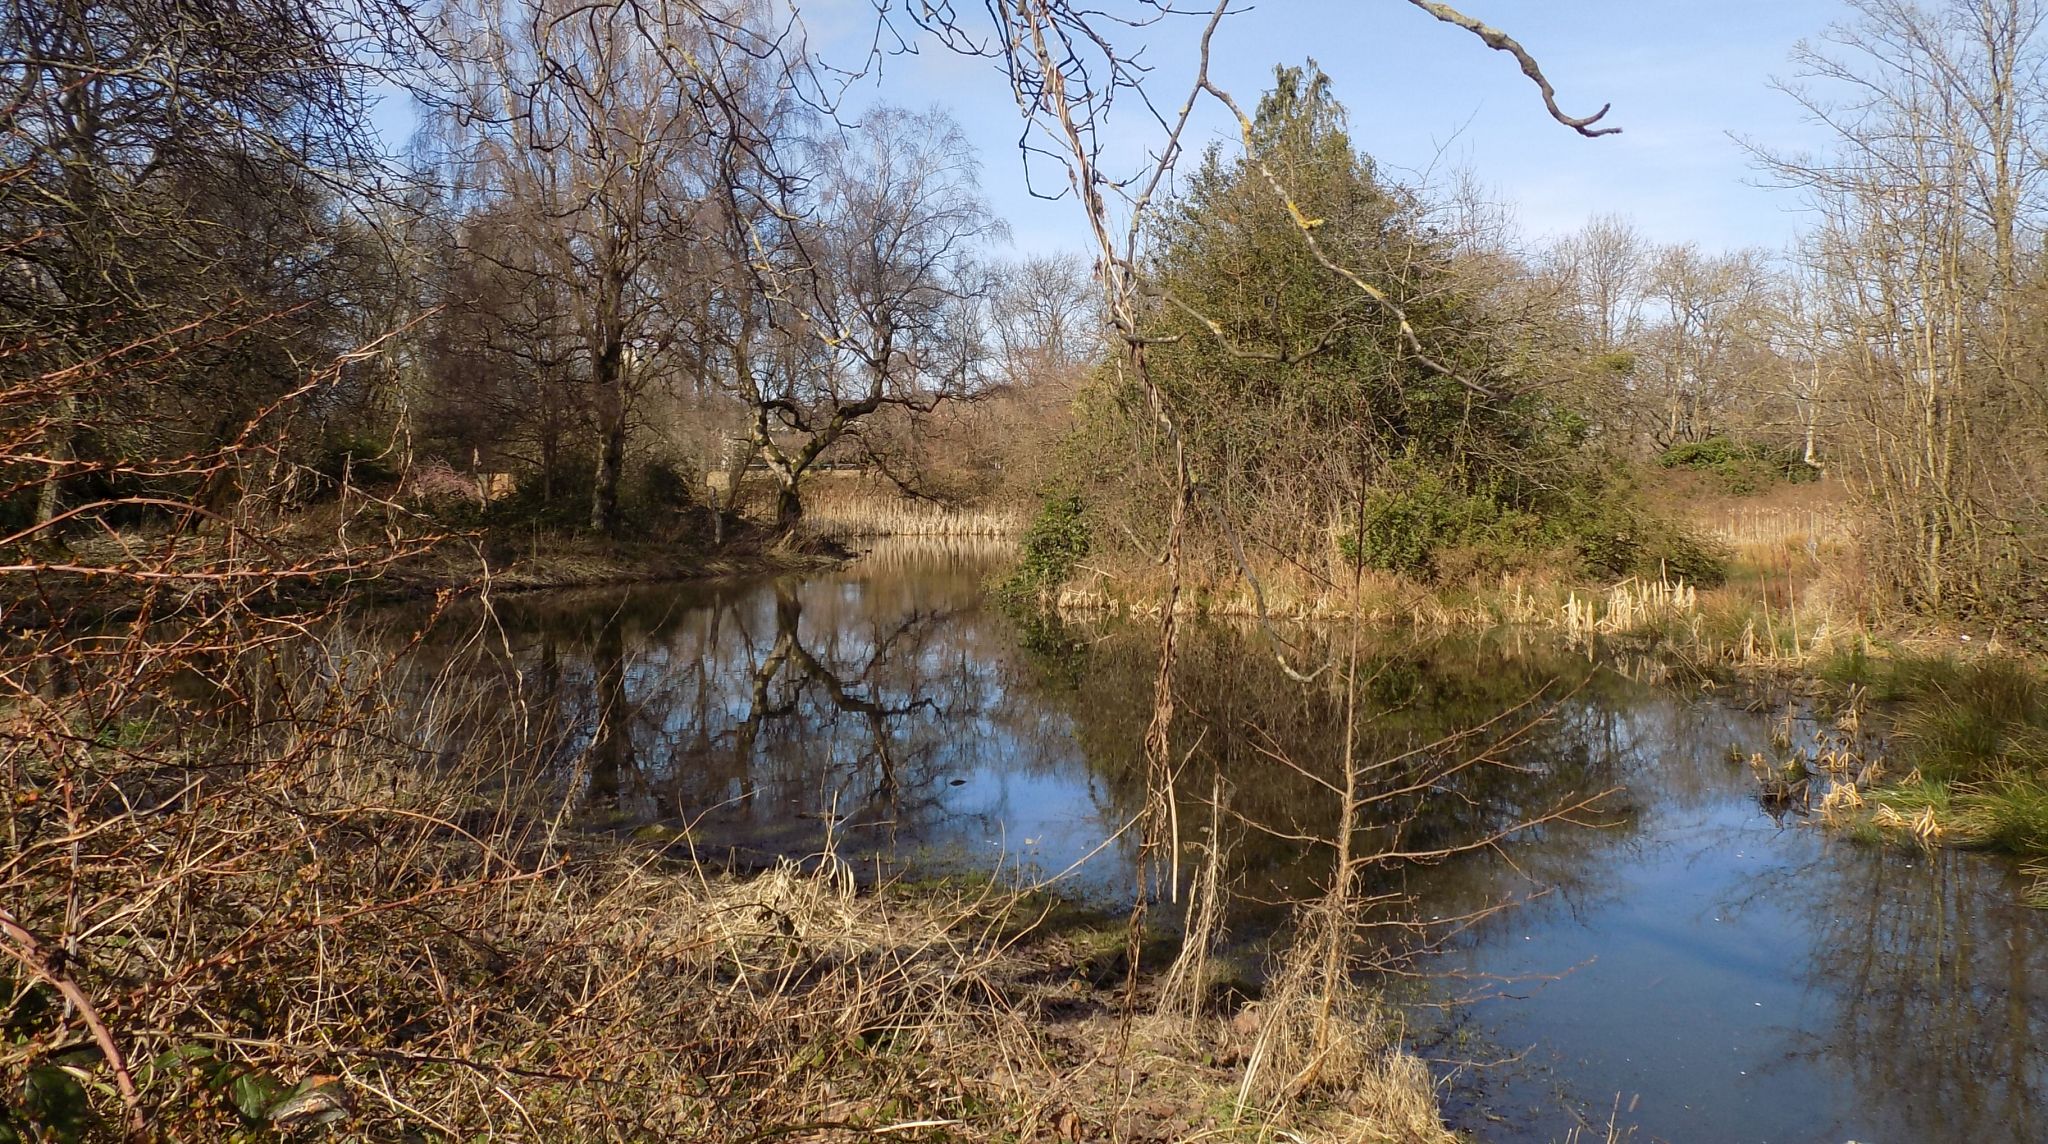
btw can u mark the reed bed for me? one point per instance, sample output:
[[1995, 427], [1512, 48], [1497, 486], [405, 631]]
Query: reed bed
[[1634, 605], [853, 517], [915, 553], [1727, 627], [1751, 526]]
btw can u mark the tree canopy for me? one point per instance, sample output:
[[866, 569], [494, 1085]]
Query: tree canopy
[[1313, 419]]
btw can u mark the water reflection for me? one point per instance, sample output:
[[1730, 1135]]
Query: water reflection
[[1724, 974], [1728, 975], [766, 716], [1938, 975]]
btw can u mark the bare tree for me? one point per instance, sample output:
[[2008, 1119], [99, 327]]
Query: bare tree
[[874, 290], [587, 129], [1710, 310], [1606, 267], [163, 168], [1932, 205], [1804, 354], [504, 355], [1044, 318]]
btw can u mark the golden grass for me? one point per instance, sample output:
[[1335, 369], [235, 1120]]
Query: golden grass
[[2036, 893], [1840, 804], [1631, 606], [851, 517], [1766, 527]]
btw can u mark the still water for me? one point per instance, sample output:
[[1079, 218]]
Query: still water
[[1674, 955]]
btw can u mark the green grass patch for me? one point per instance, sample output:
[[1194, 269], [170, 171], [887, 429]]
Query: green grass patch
[[1912, 798], [2009, 814], [1973, 722], [1974, 737]]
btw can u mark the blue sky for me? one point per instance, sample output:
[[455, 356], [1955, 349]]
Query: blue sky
[[1426, 96]]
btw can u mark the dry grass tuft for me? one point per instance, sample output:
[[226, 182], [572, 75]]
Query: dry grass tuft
[[1322, 1038], [1634, 605], [1922, 825], [1842, 804], [853, 517]]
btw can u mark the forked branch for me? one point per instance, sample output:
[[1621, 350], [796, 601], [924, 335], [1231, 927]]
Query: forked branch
[[1500, 41]]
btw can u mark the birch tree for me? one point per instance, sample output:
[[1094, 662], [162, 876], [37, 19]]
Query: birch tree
[[874, 289], [586, 130], [1931, 199]]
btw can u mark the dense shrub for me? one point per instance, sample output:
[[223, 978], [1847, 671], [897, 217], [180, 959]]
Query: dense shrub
[[546, 502], [1310, 431], [658, 500], [1408, 527], [365, 459], [1056, 540], [1741, 468], [1623, 537], [1425, 526]]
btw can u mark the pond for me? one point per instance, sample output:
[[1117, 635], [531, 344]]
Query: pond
[[1664, 949]]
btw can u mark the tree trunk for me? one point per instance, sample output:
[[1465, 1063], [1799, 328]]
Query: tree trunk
[[738, 455], [50, 498], [789, 508], [611, 462], [611, 445]]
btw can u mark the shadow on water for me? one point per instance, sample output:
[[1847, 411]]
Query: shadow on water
[[1717, 972]]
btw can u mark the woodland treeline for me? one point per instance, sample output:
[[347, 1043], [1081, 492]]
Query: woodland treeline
[[1375, 374], [254, 351], [630, 248], [627, 246]]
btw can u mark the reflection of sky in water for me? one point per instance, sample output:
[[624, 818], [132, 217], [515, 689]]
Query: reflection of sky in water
[[1734, 978]]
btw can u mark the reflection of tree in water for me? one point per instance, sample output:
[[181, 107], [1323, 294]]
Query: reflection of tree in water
[[1548, 728], [611, 755], [875, 690], [747, 704], [1641, 735], [757, 703], [1940, 984], [740, 704]]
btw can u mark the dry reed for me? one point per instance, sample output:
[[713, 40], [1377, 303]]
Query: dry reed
[[843, 518], [1752, 528], [1634, 605]]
